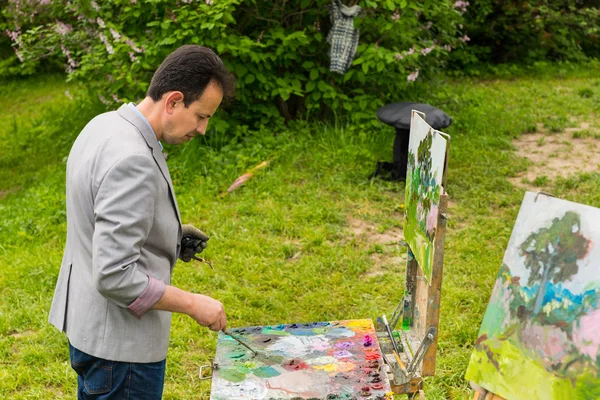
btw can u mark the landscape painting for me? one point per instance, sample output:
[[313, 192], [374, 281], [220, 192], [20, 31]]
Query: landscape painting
[[426, 160], [540, 336], [320, 360]]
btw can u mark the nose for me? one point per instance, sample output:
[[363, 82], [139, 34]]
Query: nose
[[201, 129]]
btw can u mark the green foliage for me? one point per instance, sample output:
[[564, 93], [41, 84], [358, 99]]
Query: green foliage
[[552, 253], [587, 92], [277, 49], [585, 134], [17, 17], [526, 31], [540, 181]]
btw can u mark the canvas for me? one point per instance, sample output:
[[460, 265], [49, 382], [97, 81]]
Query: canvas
[[321, 360], [426, 160], [540, 335]]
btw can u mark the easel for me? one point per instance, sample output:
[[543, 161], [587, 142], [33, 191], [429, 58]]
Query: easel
[[423, 312], [419, 310]]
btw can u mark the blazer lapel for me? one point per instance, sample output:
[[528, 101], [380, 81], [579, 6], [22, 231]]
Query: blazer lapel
[[130, 115]]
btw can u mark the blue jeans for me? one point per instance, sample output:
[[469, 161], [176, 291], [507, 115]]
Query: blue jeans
[[107, 380]]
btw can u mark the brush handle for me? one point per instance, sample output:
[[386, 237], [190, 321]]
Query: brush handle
[[239, 341]]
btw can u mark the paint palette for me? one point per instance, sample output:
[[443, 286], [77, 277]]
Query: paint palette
[[319, 360]]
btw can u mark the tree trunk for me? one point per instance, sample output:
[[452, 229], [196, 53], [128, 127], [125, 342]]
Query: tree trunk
[[542, 292]]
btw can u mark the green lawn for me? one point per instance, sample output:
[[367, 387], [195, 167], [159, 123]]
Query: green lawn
[[310, 238]]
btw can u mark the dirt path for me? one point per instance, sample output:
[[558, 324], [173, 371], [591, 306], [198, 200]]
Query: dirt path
[[575, 150]]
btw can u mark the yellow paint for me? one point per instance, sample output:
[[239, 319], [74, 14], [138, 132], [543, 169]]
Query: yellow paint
[[359, 323], [336, 368], [326, 367]]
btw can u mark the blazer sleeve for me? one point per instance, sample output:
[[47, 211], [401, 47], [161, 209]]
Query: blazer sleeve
[[124, 214]]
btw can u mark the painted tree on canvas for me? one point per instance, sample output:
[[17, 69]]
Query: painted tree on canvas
[[551, 254], [424, 190]]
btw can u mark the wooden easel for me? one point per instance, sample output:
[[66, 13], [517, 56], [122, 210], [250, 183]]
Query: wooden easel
[[423, 310]]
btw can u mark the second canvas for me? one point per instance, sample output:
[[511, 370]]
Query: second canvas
[[426, 160]]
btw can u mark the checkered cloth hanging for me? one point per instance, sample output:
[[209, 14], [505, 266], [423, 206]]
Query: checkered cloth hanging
[[342, 36]]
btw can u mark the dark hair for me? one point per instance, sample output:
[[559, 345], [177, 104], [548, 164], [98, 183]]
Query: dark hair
[[190, 69]]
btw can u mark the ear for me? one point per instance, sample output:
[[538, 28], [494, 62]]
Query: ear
[[173, 100]]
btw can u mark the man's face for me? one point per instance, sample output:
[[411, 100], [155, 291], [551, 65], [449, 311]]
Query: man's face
[[184, 123]]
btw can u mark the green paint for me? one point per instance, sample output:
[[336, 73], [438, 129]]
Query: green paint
[[320, 331], [236, 354], [271, 358], [250, 364], [587, 387], [519, 377], [275, 332], [232, 375], [243, 370], [265, 372]]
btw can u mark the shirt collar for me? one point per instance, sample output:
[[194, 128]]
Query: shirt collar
[[146, 121]]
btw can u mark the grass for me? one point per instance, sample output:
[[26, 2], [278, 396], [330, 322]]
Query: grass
[[282, 245]]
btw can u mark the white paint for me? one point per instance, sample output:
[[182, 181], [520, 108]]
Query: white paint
[[299, 346]]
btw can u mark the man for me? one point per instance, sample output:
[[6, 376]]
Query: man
[[113, 296]]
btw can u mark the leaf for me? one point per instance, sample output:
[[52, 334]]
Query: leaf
[[165, 24], [249, 79], [323, 87], [310, 86], [314, 74], [167, 41], [241, 70], [261, 78]]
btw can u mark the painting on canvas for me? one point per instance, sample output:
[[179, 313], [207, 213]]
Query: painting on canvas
[[426, 160], [321, 360], [540, 334]]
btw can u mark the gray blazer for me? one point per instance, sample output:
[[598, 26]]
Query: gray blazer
[[123, 236]]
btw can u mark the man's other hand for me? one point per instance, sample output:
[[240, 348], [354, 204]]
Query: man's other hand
[[193, 242]]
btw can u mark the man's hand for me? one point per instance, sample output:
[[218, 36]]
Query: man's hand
[[193, 241], [205, 310], [208, 312]]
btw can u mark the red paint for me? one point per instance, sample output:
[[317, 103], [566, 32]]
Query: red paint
[[295, 365]]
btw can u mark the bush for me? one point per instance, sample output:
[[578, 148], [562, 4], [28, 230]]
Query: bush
[[277, 49], [533, 30], [17, 17]]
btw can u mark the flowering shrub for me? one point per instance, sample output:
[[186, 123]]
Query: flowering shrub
[[277, 49], [530, 30]]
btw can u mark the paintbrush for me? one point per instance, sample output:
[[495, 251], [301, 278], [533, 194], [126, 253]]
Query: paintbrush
[[391, 335], [240, 342]]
